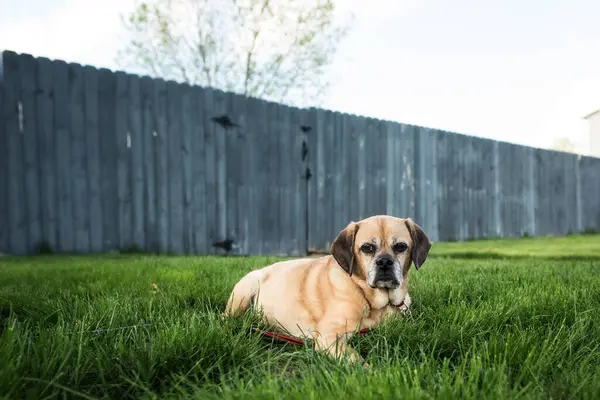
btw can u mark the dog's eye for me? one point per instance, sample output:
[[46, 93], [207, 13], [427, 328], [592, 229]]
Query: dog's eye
[[400, 247], [367, 248]]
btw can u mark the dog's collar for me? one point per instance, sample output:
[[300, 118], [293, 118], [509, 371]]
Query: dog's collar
[[399, 305]]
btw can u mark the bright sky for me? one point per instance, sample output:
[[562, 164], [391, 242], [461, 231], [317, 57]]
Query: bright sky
[[513, 70]]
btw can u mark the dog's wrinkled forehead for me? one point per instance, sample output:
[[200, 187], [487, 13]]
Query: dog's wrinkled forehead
[[382, 231]]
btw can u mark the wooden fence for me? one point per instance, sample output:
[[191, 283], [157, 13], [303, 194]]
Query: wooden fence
[[94, 161]]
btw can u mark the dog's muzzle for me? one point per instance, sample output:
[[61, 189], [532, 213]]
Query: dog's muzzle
[[386, 275]]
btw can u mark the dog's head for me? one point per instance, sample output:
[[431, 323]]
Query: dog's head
[[380, 249]]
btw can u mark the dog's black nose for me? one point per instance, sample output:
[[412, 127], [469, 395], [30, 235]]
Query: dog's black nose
[[385, 261]]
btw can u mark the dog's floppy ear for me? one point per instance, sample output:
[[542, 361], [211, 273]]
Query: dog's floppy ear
[[421, 243], [342, 248]]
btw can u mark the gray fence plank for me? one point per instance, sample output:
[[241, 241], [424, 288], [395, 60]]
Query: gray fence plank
[[175, 177], [27, 74], [542, 214], [148, 135], [466, 180], [578, 195], [233, 168], [16, 221], [338, 170], [504, 183], [251, 132], [530, 199], [559, 194], [316, 240], [361, 126], [210, 148], [220, 132], [187, 131], [63, 156], [123, 142], [352, 180], [4, 234], [444, 172], [422, 174], [136, 153], [570, 180], [272, 157], [162, 164], [393, 173], [517, 175], [330, 229], [108, 157], [590, 191], [347, 170], [78, 159], [323, 202], [477, 190], [370, 166], [299, 186], [94, 162], [294, 225], [381, 166], [406, 159], [283, 169], [244, 175], [262, 165], [198, 210]]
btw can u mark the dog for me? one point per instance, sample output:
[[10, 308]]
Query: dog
[[361, 282]]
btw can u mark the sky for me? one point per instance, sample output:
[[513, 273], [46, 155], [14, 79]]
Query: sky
[[520, 71]]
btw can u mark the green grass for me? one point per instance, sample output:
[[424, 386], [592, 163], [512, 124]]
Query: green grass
[[491, 319], [572, 247]]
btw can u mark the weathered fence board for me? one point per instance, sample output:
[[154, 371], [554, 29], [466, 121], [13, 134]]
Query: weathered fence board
[[16, 218], [175, 168], [148, 135], [272, 159], [4, 231], [253, 141], [78, 159], [590, 193], [197, 179], [62, 146], [136, 149], [108, 158], [30, 150], [570, 182], [219, 132], [351, 181], [162, 168], [298, 185], [233, 168], [93, 159], [212, 225], [123, 144], [96, 161]]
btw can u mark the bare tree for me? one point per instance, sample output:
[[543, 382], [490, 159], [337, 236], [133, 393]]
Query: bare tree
[[277, 50]]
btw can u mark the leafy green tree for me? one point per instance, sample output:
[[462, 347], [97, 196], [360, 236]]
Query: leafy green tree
[[277, 50]]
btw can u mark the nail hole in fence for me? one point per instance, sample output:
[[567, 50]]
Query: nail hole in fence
[[20, 107]]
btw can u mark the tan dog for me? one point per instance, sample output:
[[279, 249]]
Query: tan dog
[[329, 298]]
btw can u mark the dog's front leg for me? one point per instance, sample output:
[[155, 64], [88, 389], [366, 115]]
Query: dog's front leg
[[335, 344]]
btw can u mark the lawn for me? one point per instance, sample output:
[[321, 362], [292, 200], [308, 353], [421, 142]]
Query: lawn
[[491, 319]]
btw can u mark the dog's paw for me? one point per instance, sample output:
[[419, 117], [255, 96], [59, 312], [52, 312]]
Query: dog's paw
[[405, 311]]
